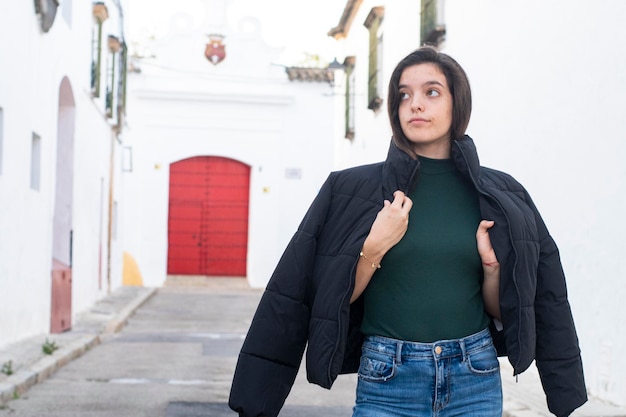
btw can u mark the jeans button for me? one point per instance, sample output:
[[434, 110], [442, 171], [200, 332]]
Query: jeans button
[[438, 350]]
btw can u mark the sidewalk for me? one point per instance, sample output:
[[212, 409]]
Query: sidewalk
[[30, 365], [523, 398]]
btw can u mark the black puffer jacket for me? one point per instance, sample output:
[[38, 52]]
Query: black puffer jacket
[[307, 299]]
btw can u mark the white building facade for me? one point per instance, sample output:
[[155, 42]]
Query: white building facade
[[59, 97], [228, 151], [548, 91]]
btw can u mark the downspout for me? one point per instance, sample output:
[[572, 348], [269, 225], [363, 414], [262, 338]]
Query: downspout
[[115, 136]]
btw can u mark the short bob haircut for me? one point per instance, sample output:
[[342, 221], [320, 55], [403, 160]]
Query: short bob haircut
[[457, 83]]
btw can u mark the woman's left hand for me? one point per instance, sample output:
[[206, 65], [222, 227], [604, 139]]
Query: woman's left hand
[[491, 268], [485, 249]]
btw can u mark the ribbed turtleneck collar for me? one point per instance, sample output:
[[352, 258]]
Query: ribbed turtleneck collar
[[400, 171], [429, 166]]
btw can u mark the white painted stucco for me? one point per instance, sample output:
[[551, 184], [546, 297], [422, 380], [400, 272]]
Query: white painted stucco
[[244, 108], [32, 69], [550, 91], [548, 96]]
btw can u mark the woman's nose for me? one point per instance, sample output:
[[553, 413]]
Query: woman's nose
[[417, 104]]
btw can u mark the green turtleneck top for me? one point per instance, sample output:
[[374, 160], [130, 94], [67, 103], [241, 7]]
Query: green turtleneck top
[[429, 286]]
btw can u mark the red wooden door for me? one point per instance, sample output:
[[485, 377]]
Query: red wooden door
[[208, 217]]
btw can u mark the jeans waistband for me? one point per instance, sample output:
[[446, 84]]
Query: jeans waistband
[[440, 349]]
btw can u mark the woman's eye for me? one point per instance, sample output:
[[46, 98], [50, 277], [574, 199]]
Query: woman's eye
[[404, 96], [433, 93]]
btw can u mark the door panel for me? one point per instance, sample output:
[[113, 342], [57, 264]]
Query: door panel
[[208, 217]]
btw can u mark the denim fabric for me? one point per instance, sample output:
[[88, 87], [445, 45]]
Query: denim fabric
[[444, 379]]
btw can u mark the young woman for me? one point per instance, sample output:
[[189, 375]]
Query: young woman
[[408, 270]]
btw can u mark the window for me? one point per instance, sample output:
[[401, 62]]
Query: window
[[373, 23], [114, 46], [66, 9], [433, 29], [127, 159], [100, 14], [35, 162], [1, 136], [350, 96]]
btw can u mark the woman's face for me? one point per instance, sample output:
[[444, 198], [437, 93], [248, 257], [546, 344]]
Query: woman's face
[[425, 111]]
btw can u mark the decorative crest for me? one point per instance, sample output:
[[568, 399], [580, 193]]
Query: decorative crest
[[215, 50]]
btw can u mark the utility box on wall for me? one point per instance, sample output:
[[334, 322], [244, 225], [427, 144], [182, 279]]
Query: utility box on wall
[[61, 304]]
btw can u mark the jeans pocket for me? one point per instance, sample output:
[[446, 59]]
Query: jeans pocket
[[483, 361], [376, 368]]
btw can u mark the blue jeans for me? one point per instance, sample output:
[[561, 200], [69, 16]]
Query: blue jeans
[[446, 378]]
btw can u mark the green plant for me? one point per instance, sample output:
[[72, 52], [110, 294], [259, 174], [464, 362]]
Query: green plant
[[49, 347], [7, 368]]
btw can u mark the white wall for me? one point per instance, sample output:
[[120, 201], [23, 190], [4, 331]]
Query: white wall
[[31, 71], [243, 108], [549, 92], [400, 28]]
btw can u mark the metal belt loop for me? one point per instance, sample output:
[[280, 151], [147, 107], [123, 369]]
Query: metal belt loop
[[399, 353]]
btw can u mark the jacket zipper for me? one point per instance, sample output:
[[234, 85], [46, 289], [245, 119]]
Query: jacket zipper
[[519, 300], [348, 294], [339, 322]]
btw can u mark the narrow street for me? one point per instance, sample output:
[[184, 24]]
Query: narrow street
[[174, 358]]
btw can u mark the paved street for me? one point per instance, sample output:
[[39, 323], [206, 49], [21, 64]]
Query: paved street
[[174, 355], [175, 358]]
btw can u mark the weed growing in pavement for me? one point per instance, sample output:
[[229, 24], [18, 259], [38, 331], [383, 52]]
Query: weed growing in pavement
[[7, 368], [49, 347]]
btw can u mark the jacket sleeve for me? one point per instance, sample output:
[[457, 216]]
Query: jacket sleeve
[[557, 352], [272, 351]]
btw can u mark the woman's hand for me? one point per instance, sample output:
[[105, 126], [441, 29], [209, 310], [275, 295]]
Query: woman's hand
[[485, 250], [491, 268], [390, 225]]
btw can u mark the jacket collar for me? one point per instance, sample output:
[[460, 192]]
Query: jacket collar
[[465, 158], [400, 171]]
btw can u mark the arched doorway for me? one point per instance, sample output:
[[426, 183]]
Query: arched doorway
[[208, 217], [61, 292]]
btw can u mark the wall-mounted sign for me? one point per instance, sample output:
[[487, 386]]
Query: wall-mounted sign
[[293, 173]]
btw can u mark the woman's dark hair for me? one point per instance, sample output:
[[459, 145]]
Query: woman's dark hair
[[457, 83]]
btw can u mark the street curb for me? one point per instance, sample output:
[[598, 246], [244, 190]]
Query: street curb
[[121, 318], [17, 384]]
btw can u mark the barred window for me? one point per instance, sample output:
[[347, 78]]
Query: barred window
[[433, 29], [350, 96], [114, 47], [373, 23], [35, 162], [100, 14]]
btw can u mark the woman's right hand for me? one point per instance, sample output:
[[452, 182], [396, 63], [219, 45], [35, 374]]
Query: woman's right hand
[[390, 225]]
